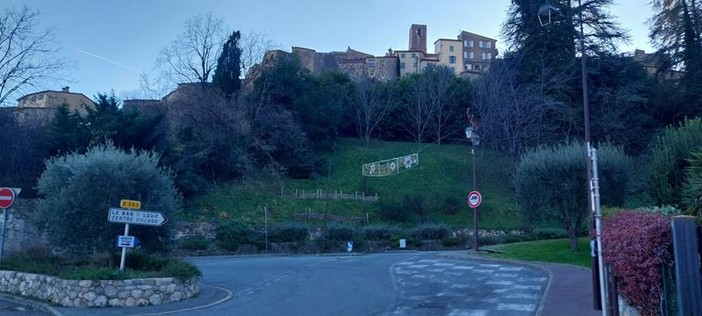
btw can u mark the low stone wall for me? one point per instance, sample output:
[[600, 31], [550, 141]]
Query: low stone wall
[[86, 293]]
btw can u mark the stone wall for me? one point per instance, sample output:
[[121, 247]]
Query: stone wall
[[21, 232], [86, 293]]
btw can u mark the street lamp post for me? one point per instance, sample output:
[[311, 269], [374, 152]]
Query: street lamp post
[[545, 13], [474, 141]]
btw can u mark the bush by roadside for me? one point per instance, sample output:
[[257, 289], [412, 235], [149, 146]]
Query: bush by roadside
[[643, 238], [99, 267]]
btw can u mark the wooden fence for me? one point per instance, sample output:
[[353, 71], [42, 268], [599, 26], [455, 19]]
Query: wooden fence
[[336, 195]]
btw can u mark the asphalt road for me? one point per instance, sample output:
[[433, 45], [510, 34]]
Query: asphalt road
[[379, 284]]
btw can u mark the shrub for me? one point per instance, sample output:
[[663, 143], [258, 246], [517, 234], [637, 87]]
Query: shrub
[[413, 203], [644, 239], [89, 273], [551, 183], [391, 211], [340, 232], [666, 210], [452, 205], [380, 232], [691, 196], [232, 234], [461, 241], [79, 189], [431, 232], [197, 242], [670, 155], [180, 270], [290, 232]]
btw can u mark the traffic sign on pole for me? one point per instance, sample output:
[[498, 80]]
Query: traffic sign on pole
[[132, 204], [474, 199], [7, 197], [127, 216]]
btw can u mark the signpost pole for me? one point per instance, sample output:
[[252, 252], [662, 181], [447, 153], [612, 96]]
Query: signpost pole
[[4, 225], [124, 249]]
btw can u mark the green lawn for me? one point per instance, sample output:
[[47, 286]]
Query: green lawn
[[441, 182], [555, 250]]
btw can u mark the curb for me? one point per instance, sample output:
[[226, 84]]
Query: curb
[[31, 303]]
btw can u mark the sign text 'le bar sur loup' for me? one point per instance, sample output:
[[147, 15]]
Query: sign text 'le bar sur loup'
[[127, 216]]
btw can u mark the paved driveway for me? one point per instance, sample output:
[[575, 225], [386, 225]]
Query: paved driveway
[[379, 284]]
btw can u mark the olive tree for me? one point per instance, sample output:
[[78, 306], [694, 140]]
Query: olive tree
[[551, 184], [77, 191]]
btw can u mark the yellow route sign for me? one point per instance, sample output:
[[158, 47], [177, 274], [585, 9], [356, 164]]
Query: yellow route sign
[[132, 204]]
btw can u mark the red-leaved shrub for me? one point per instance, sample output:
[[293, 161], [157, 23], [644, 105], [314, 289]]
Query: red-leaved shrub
[[637, 243]]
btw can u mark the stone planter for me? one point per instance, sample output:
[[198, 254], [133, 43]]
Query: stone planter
[[87, 293]]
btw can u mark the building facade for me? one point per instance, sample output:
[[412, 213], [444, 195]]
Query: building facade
[[478, 51], [76, 102]]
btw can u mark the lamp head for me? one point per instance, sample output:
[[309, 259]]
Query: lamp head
[[545, 13]]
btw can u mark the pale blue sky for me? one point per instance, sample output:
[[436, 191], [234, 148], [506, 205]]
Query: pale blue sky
[[130, 33]]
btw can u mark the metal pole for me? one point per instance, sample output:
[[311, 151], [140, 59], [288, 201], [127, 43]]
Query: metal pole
[[475, 209], [124, 249], [597, 274], [265, 215], [4, 225]]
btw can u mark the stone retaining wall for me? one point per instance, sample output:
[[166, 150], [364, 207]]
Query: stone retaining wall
[[86, 293]]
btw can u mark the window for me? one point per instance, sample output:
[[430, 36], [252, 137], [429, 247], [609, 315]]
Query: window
[[402, 65], [468, 43], [402, 55], [483, 55], [452, 69], [414, 55], [471, 55], [452, 59], [489, 56], [465, 55], [469, 67], [485, 44], [451, 48], [477, 67]]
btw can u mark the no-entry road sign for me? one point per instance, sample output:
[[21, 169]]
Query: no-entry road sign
[[7, 197], [474, 199], [127, 216]]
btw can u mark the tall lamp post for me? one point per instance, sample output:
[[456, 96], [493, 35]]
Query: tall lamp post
[[546, 11], [474, 141]]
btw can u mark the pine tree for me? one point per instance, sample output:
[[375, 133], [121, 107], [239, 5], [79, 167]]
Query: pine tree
[[226, 76]]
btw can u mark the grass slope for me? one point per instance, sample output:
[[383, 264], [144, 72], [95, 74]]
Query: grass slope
[[555, 250], [439, 184]]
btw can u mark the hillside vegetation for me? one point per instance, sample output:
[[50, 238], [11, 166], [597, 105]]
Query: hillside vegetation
[[432, 192]]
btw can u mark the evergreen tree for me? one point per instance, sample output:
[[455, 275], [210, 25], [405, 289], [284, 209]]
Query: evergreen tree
[[677, 33], [226, 76]]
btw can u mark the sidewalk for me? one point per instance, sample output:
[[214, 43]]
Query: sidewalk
[[569, 290]]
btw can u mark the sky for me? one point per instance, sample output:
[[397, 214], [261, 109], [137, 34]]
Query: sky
[[110, 43]]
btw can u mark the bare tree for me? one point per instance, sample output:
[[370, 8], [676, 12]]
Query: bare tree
[[512, 114], [374, 102], [27, 55], [254, 46], [192, 56], [419, 108], [440, 99]]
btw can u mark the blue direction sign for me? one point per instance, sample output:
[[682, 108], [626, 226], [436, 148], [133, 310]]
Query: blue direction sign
[[127, 216], [127, 241]]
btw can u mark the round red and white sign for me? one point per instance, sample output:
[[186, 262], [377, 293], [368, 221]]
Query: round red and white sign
[[474, 199], [7, 197]]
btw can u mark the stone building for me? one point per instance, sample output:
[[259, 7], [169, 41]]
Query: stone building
[[469, 55], [478, 51], [38, 108], [76, 102]]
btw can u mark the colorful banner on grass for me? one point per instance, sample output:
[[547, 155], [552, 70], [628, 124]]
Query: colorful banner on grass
[[390, 167]]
